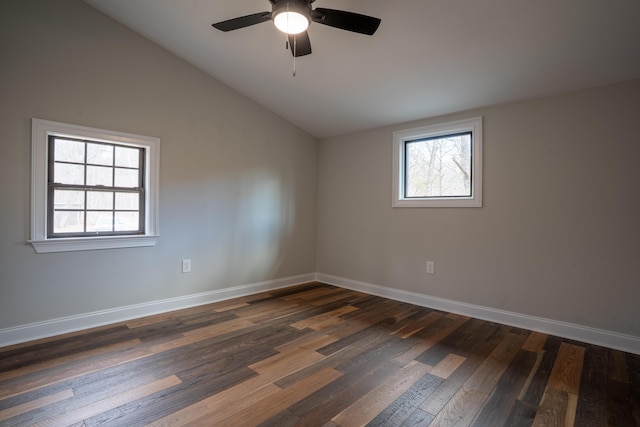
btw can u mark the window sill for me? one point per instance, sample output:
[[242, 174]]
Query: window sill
[[91, 243], [458, 202]]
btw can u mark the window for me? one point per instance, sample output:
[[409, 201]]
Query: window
[[439, 165], [92, 188]]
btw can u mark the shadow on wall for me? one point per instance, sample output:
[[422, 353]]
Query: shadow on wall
[[265, 219], [245, 225]]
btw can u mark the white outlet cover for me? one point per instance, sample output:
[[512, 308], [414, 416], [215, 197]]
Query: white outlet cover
[[430, 267]]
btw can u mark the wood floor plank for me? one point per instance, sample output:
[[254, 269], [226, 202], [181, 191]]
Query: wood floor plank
[[431, 335], [473, 330], [184, 416], [324, 320], [228, 414], [79, 414], [371, 404], [592, 405], [312, 341], [69, 359], [498, 407], [316, 355], [359, 320], [553, 409], [483, 380], [449, 388], [417, 418], [343, 358], [361, 374], [522, 415], [405, 409], [419, 324], [361, 338], [150, 408], [18, 351], [286, 363], [448, 365], [267, 315], [15, 386], [219, 328], [213, 403], [468, 401], [35, 404], [283, 419], [567, 369], [280, 401], [535, 342], [340, 294], [338, 395], [572, 404], [633, 364], [534, 369], [538, 384], [310, 294], [231, 306]]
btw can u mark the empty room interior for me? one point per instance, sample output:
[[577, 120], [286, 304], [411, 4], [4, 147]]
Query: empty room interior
[[416, 213]]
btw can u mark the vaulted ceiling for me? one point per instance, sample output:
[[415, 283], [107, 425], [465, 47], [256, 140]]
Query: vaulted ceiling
[[428, 57]]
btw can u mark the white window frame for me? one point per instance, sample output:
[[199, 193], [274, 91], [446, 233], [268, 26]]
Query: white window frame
[[400, 138], [41, 130]]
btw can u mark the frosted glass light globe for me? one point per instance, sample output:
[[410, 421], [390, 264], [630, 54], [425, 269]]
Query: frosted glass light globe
[[291, 22]]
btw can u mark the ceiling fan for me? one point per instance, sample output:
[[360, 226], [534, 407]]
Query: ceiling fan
[[293, 17]]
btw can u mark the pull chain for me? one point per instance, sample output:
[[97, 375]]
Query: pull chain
[[294, 49], [295, 46]]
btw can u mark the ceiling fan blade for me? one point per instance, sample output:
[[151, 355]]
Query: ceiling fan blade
[[344, 20], [300, 44], [243, 21]]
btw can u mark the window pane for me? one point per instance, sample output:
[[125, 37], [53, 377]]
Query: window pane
[[99, 221], [127, 157], [68, 151], [127, 201], [68, 222], [439, 167], [100, 154], [127, 221], [99, 175], [68, 199], [126, 178], [64, 173], [99, 200]]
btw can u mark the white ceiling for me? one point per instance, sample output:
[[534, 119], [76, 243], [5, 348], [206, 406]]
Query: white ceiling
[[429, 57]]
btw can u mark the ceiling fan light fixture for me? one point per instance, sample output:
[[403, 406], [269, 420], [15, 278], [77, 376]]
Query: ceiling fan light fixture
[[291, 22], [291, 16]]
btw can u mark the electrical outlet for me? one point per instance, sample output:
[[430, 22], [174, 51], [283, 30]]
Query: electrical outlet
[[430, 267], [186, 266]]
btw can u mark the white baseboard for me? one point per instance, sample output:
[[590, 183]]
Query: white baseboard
[[628, 343], [33, 331]]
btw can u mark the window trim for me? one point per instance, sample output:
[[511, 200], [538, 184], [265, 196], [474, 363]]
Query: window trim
[[40, 132], [400, 138]]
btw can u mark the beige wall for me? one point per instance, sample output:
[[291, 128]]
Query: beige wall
[[558, 236], [237, 183]]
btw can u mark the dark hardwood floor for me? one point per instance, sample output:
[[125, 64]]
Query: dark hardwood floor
[[316, 355]]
